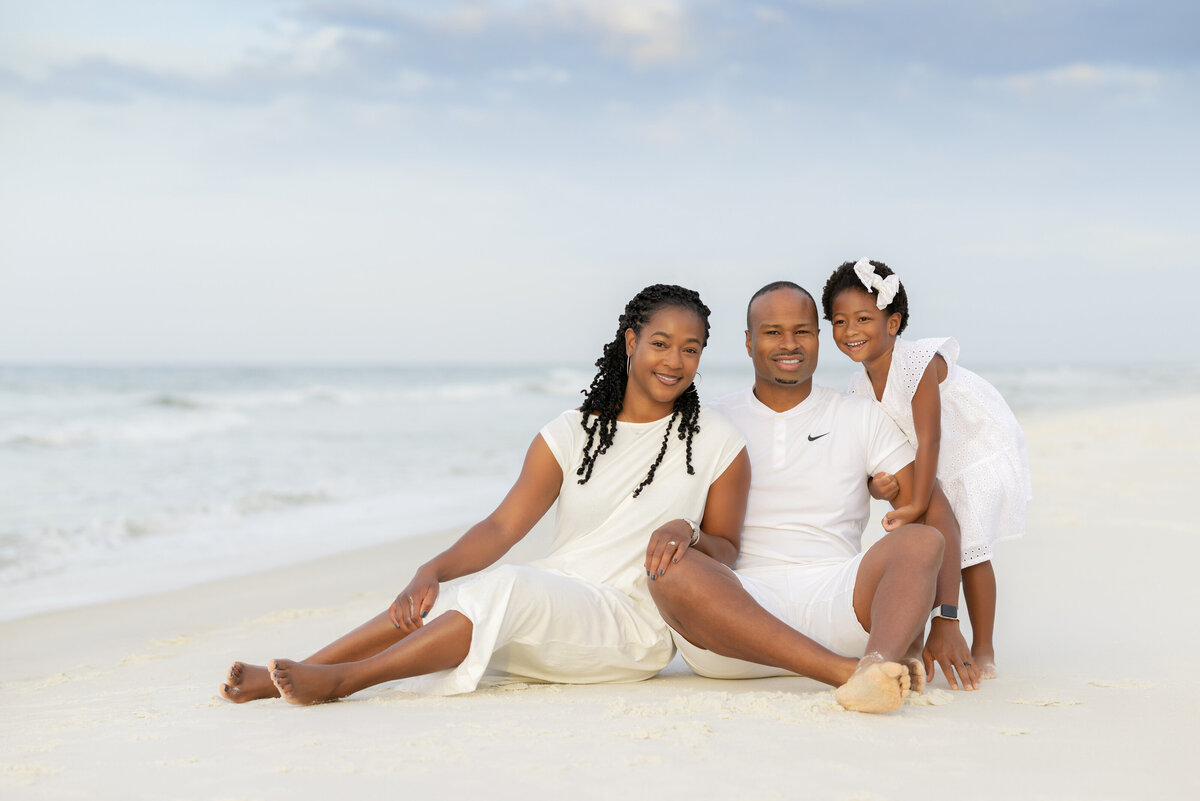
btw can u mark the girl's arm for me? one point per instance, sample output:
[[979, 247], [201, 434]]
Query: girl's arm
[[486, 541], [720, 530], [927, 420]]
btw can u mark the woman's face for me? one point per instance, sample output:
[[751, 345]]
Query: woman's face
[[663, 358]]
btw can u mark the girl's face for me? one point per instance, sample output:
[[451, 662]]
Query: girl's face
[[860, 329], [664, 357]]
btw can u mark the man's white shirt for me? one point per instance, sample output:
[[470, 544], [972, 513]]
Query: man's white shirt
[[809, 469]]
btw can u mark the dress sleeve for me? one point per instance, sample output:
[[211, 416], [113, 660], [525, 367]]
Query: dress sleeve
[[561, 435], [714, 424], [910, 359]]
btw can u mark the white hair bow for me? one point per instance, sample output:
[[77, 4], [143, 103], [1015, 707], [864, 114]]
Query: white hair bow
[[885, 287]]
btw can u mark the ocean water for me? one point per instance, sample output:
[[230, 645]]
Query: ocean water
[[122, 481]]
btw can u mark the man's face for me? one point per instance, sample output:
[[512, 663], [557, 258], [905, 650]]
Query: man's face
[[782, 340]]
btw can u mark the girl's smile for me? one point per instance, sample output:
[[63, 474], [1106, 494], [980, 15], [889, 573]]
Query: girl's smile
[[860, 329]]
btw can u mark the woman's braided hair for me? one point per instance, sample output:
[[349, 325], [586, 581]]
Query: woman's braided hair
[[603, 400]]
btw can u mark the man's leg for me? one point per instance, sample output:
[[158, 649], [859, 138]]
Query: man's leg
[[895, 587], [703, 601]]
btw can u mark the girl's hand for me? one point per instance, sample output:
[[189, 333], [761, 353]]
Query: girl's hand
[[668, 544], [902, 517], [883, 487], [413, 603]]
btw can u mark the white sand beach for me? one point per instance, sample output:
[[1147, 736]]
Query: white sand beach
[[1098, 695]]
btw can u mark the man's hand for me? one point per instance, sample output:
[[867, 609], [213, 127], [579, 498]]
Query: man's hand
[[948, 648], [883, 487]]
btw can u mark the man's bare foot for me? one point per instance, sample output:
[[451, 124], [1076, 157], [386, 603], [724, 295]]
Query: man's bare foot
[[985, 662], [306, 684], [916, 673], [248, 683], [877, 686]]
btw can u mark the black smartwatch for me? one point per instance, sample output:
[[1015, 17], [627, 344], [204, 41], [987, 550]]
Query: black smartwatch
[[948, 611]]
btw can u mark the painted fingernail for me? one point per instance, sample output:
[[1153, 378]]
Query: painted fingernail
[[647, 572], [426, 612], [660, 572], [675, 560], [654, 578]]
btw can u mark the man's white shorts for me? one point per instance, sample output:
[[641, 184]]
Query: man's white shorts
[[816, 599]]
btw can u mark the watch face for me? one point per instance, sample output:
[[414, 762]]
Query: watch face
[[946, 610]]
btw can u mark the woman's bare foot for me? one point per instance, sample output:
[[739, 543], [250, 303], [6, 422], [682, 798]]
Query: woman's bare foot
[[877, 686], [306, 684], [916, 673], [985, 661], [248, 683]]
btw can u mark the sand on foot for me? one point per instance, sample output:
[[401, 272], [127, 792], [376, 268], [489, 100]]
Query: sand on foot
[[876, 686]]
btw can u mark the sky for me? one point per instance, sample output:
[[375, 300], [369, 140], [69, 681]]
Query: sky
[[383, 182]]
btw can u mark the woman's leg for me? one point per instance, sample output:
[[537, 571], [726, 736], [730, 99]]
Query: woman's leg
[[441, 644], [979, 588], [246, 682]]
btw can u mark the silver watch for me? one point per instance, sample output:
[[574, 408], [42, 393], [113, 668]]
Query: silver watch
[[695, 531], [948, 611]]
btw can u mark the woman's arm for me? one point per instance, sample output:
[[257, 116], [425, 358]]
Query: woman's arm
[[927, 420], [720, 530], [486, 541]]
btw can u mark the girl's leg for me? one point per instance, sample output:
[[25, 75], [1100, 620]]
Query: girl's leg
[[979, 588], [441, 644], [246, 682]]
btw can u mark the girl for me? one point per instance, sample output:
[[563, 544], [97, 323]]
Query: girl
[[971, 467], [639, 459]]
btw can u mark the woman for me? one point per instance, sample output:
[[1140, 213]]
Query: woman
[[639, 458]]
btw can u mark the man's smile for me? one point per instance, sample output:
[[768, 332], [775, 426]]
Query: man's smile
[[789, 362]]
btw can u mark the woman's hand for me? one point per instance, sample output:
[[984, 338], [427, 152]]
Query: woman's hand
[[668, 544], [414, 602]]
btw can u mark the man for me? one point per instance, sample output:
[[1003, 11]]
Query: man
[[801, 568]]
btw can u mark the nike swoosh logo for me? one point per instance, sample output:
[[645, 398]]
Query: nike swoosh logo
[[811, 438]]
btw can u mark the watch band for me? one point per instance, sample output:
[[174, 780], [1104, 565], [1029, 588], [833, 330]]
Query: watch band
[[947, 611]]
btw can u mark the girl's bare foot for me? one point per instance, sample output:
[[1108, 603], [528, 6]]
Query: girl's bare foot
[[985, 661], [248, 683], [877, 686], [306, 684], [916, 673]]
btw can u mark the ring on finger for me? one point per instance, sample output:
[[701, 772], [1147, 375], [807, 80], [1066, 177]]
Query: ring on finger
[[672, 544]]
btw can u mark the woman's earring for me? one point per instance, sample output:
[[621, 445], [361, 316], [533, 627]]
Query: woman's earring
[[627, 360], [696, 379]]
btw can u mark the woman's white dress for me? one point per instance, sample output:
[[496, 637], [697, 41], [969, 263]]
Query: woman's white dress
[[983, 465], [583, 614]]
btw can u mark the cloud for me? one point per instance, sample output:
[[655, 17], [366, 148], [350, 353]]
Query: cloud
[[454, 53], [1080, 76], [644, 32]]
